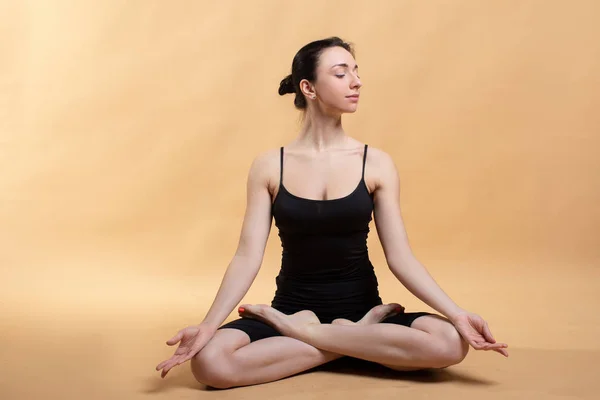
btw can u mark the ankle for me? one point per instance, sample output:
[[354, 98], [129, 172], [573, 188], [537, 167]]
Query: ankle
[[307, 333]]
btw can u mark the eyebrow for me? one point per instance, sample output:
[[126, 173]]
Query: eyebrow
[[343, 65]]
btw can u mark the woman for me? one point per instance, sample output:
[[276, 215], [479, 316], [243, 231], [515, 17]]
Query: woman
[[327, 303]]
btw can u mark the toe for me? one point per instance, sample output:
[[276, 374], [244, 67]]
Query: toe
[[250, 309], [254, 309], [342, 321], [394, 308], [387, 310]]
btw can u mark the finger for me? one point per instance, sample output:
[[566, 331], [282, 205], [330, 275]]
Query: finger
[[163, 373], [476, 345], [168, 368], [161, 365], [502, 351], [482, 345], [164, 363], [493, 346], [475, 339], [497, 345], [175, 338], [488, 334]]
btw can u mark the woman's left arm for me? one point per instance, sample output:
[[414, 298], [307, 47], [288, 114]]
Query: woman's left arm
[[409, 271], [392, 234]]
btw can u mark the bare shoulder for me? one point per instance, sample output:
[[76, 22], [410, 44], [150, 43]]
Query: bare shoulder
[[379, 158], [265, 168], [265, 160], [381, 167]]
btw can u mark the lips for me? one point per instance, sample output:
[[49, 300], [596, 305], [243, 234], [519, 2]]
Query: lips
[[354, 96]]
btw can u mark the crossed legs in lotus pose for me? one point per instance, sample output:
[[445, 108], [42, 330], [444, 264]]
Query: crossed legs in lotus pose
[[230, 360]]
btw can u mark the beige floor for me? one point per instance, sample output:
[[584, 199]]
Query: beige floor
[[108, 349]]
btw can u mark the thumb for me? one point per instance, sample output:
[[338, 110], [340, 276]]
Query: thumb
[[488, 334], [175, 339]]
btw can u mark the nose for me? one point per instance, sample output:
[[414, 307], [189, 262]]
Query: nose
[[356, 82]]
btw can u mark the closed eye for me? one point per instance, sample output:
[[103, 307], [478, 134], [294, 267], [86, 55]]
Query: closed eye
[[342, 75]]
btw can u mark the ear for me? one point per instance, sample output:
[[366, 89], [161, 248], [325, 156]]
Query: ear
[[307, 89]]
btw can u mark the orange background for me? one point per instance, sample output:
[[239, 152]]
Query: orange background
[[127, 131]]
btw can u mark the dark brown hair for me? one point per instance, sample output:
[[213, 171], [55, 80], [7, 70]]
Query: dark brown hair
[[304, 66]]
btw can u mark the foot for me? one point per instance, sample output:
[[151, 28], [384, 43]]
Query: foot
[[374, 315], [293, 325]]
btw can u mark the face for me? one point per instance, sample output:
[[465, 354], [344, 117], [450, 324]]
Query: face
[[337, 82]]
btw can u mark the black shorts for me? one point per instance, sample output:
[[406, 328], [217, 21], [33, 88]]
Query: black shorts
[[257, 330]]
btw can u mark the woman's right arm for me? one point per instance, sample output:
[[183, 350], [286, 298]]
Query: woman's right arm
[[246, 262]]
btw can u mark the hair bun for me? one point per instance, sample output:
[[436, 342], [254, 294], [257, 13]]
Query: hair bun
[[286, 85]]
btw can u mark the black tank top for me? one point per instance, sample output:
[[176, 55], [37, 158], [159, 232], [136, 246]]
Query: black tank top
[[325, 264]]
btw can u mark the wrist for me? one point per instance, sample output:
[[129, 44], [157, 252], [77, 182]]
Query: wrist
[[211, 326], [455, 313]]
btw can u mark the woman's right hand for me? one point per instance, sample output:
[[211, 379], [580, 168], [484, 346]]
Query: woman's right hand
[[193, 339]]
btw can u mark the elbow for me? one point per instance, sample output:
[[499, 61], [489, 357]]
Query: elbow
[[399, 255], [248, 258], [399, 263]]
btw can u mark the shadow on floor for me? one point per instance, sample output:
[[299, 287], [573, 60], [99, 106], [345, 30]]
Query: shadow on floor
[[175, 379], [345, 366], [353, 366]]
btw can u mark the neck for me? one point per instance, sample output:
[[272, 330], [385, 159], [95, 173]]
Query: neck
[[321, 132]]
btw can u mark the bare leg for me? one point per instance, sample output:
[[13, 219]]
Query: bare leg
[[387, 344], [341, 321], [230, 360]]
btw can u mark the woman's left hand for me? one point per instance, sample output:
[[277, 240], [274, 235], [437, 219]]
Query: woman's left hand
[[477, 333]]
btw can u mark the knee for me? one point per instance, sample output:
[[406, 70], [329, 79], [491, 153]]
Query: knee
[[213, 367], [452, 348]]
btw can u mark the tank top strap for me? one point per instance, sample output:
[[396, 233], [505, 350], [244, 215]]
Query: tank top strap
[[280, 166], [364, 161]]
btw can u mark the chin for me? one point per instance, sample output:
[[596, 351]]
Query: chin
[[347, 108], [344, 110]]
